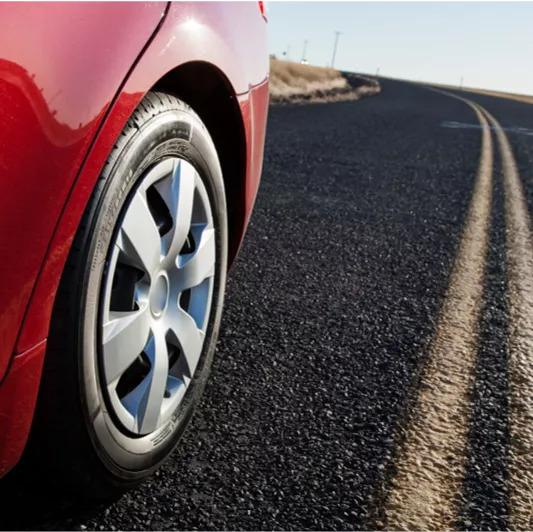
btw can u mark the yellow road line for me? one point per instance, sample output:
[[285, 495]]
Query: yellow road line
[[520, 338], [430, 465]]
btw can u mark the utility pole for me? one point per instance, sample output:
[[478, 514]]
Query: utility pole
[[304, 60], [377, 72], [461, 83], [337, 33]]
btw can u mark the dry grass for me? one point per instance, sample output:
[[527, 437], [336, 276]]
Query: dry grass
[[293, 79], [509, 95], [297, 83], [497, 94]]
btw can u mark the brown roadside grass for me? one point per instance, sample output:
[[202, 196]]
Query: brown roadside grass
[[289, 79], [294, 82], [509, 95], [524, 98]]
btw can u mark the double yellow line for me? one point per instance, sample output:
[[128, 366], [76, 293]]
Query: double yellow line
[[425, 490]]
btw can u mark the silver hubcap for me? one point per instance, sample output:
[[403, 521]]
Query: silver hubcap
[[157, 296]]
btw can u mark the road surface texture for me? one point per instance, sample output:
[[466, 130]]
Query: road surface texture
[[374, 367]]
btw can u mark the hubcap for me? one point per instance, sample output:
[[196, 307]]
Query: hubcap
[[157, 296]]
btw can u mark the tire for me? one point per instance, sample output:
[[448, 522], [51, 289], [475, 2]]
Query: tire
[[85, 432]]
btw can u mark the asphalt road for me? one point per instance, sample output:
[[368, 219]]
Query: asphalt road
[[339, 310]]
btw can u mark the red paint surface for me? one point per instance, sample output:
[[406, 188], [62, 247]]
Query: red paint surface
[[18, 395], [61, 121], [59, 66]]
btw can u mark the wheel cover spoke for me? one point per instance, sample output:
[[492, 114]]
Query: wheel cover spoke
[[152, 399], [124, 337], [139, 237], [188, 336], [150, 353], [178, 193], [196, 267]]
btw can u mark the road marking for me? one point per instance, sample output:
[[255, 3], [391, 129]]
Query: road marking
[[520, 338], [431, 462], [516, 130]]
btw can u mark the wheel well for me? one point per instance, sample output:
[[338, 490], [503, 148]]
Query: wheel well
[[205, 88]]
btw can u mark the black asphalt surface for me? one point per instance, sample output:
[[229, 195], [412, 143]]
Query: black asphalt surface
[[330, 310]]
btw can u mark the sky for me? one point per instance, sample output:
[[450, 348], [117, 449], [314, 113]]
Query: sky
[[489, 45]]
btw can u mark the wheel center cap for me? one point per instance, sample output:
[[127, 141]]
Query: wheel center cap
[[159, 296]]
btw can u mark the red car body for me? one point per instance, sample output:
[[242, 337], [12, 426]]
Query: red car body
[[71, 74]]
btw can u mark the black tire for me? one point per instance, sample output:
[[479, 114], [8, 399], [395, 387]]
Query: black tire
[[68, 442]]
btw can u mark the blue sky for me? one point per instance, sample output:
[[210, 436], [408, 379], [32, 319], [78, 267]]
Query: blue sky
[[490, 45]]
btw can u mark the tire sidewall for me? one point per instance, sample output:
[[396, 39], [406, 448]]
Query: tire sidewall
[[172, 133]]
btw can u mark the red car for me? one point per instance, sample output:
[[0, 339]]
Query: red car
[[131, 146]]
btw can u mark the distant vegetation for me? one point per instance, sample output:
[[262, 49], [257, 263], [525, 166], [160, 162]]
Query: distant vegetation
[[295, 82], [288, 79]]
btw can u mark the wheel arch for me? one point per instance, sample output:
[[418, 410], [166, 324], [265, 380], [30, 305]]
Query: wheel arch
[[209, 93], [196, 55]]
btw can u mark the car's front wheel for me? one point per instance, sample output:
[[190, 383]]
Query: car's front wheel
[[138, 311]]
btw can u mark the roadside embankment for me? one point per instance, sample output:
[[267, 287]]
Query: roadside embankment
[[297, 83]]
